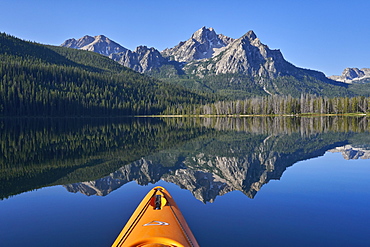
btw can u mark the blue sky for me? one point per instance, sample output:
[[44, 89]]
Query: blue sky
[[324, 35]]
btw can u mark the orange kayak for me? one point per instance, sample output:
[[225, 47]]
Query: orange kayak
[[157, 221]]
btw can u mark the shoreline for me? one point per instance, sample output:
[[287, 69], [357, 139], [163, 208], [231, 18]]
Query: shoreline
[[259, 115], [196, 116]]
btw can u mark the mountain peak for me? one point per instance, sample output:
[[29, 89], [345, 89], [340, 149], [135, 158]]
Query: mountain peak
[[144, 48], [101, 37], [202, 44], [100, 44], [76, 44], [251, 35], [204, 34], [353, 75], [87, 36]]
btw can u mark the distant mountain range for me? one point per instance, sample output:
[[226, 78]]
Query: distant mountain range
[[213, 62], [211, 53], [207, 52], [353, 75]]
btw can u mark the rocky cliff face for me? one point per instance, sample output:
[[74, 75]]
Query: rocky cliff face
[[143, 59], [99, 44], [202, 44], [353, 75]]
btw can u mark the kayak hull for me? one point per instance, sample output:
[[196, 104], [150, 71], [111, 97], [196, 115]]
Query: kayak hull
[[157, 221]]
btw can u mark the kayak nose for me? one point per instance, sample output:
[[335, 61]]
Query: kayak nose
[[156, 222], [158, 201]]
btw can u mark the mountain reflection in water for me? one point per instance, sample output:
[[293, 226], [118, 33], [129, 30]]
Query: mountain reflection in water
[[207, 156], [207, 175]]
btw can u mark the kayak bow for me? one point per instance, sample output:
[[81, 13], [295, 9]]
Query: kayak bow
[[157, 221]]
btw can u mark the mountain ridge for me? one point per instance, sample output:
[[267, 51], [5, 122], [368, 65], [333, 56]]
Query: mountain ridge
[[234, 68], [205, 43]]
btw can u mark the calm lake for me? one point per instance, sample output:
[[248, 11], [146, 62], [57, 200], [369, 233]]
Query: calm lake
[[283, 181]]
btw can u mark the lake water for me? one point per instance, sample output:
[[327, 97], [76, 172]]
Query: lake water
[[238, 181]]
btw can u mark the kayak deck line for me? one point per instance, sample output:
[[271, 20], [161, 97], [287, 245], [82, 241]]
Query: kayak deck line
[[157, 221]]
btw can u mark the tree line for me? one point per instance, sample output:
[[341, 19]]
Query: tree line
[[282, 105]]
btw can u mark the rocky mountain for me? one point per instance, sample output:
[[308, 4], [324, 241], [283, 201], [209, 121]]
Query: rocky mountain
[[246, 55], [244, 67], [211, 62], [204, 43], [247, 67], [99, 44], [353, 75], [143, 59], [204, 53]]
